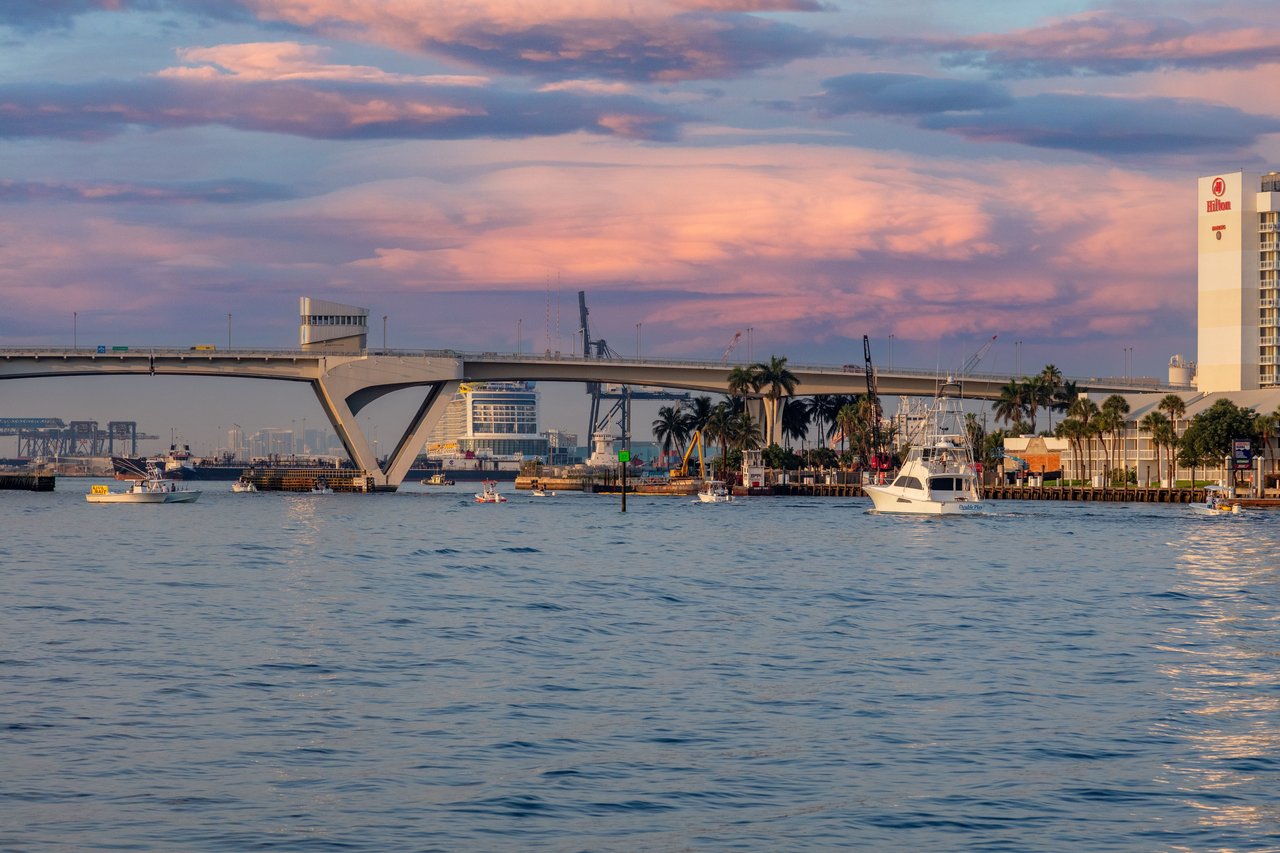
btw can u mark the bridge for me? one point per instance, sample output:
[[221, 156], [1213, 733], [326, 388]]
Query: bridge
[[346, 382]]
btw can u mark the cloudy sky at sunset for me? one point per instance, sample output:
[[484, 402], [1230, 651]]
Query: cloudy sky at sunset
[[814, 170]]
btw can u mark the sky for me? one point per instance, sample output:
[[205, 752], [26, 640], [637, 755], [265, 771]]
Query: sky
[[811, 170]]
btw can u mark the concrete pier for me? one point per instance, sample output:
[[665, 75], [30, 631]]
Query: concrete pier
[[27, 480]]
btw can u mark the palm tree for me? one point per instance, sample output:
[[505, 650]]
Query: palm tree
[[1152, 423], [1269, 428], [795, 420], [741, 382], [697, 414], [776, 380], [1037, 392], [1074, 431], [826, 408], [717, 428], [1085, 410], [1114, 408], [671, 429], [1064, 395], [1052, 377], [1168, 437], [1174, 407], [1010, 405], [847, 421]]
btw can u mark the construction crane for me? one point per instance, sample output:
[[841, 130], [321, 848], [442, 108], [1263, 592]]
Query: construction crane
[[724, 357], [880, 460], [976, 357], [695, 440]]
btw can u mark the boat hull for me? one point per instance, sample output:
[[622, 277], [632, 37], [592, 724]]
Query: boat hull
[[890, 499], [1225, 509], [177, 497]]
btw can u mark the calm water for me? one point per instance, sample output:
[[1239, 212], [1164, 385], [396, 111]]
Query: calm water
[[414, 672]]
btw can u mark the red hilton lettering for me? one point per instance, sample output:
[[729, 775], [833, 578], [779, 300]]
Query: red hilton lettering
[[1213, 205]]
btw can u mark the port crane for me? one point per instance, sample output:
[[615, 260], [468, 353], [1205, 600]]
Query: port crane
[[621, 395]]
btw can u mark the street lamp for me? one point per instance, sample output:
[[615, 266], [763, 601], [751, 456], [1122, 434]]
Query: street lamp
[[1017, 358], [891, 352], [75, 335], [638, 325], [749, 331], [519, 334], [228, 331], [384, 333]]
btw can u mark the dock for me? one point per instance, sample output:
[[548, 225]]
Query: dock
[[29, 481]]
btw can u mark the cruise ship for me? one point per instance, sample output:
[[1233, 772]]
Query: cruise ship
[[488, 429]]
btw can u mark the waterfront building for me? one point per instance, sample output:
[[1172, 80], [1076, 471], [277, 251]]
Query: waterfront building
[[489, 419], [1133, 449], [1238, 224]]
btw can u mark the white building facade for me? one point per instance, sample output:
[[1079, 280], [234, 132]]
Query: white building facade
[[1237, 227]]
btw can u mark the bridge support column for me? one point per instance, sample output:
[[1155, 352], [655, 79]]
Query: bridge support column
[[348, 387]]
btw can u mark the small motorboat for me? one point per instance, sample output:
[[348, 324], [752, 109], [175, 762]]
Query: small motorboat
[[536, 489], [152, 490], [321, 487], [489, 495], [715, 492], [436, 480], [1216, 503], [243, 485]]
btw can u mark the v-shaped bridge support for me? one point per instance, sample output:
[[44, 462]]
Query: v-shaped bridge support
[[345, 385]]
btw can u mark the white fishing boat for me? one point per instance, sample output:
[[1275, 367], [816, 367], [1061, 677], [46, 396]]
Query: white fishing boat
[[490, 494], [1215, 503], [321, 487], [152, 490], [715, 492], [243, 485], [938, 476]]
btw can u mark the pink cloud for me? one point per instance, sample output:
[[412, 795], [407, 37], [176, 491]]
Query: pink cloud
[[646, 40], [277, 61], [1112, 42]]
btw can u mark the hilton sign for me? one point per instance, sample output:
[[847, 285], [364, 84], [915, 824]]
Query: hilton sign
[[1216, 204]]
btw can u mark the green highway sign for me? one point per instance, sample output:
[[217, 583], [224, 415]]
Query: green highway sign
[[624, 455]]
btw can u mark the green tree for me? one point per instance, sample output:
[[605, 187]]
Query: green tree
[[1052, 377], [1011, 404], [1075, 433], [1112, 416], [776, 380], [1152, 423], [1210, 433], [697, 413], [670, 429], [1037, 394], [795, 420]]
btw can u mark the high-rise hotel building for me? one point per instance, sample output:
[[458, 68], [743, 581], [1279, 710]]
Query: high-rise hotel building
[[1238, 228]]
